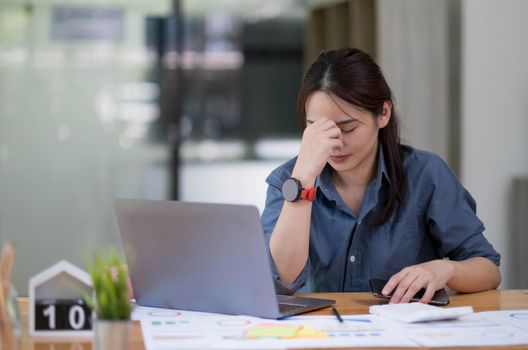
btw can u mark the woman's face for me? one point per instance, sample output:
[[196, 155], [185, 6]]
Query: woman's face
[[359, 129]]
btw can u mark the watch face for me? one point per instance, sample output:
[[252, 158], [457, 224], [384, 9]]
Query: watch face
[[290, 190]]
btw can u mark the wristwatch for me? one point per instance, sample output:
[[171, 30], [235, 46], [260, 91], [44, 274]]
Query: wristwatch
[[292, 191]]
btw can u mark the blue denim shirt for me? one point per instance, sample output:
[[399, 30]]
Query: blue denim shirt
[[436, 219]]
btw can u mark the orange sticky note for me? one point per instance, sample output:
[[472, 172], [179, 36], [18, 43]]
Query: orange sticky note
[[308, 332]]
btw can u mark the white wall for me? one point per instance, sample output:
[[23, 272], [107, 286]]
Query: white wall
[[236, 182], [494, 133]]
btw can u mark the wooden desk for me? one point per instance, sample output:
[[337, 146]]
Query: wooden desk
[[347, 303]]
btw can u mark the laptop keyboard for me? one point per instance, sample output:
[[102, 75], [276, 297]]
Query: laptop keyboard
[[286, 307]]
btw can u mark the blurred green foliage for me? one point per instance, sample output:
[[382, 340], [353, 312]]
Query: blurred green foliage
[[110, 284]]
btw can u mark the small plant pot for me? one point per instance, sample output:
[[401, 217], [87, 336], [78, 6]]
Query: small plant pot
[[111, 335]]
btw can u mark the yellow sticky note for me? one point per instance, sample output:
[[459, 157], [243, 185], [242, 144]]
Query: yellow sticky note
[[273, 331], [311, 333]]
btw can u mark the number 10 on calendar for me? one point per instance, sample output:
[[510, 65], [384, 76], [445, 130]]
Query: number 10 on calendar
[[56, 315]]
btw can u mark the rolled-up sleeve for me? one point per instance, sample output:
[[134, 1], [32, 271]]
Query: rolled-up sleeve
[[274, 202], [452, 219]]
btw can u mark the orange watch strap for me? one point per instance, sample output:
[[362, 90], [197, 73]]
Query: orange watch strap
[[308, 194]]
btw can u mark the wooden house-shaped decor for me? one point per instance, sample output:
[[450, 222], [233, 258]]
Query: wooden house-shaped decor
[[56, 302]]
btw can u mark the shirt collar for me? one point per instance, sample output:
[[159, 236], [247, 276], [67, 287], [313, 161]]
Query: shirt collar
[[325, 184], [382, 168]]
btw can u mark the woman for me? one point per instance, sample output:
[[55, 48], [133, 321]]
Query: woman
[[355, 204]]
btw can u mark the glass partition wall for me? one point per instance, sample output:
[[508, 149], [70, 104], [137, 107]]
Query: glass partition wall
[[191, 100]]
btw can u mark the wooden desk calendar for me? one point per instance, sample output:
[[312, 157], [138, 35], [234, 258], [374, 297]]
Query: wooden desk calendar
[[56, 302]]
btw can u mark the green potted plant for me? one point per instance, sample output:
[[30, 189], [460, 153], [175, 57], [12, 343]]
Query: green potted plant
[[110, 303]]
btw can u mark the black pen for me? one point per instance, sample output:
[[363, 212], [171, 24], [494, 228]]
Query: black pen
[[336, 313]]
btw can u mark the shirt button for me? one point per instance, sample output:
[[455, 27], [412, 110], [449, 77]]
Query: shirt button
[[359, 222], [352, 258]]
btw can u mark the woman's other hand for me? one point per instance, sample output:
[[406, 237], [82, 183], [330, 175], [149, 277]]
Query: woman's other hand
[[431, 275], [320, 139]]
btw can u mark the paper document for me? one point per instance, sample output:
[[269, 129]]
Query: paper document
[[419, 312], [497, 328], [175, 329]]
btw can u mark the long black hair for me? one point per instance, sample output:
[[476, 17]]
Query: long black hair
[[353, 76]]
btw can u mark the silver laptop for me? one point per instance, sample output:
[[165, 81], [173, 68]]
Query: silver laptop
[[202, 257]]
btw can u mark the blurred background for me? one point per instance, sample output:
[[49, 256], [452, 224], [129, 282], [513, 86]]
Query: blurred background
[[195, 100]]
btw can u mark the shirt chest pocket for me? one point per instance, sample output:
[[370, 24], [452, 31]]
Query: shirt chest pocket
[[393, 246]]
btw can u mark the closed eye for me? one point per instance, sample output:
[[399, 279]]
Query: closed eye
[[344, 125], [348, 125], [348, 130]]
